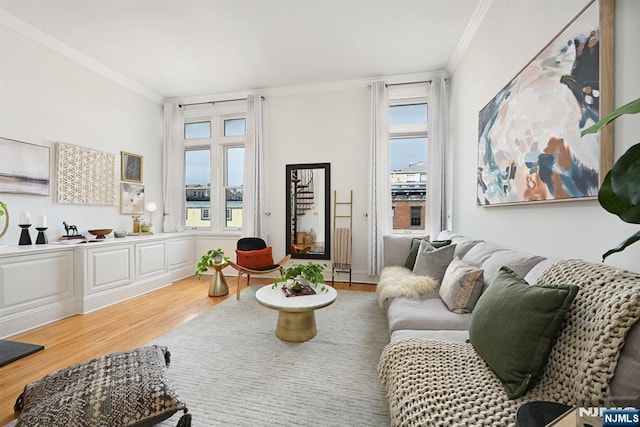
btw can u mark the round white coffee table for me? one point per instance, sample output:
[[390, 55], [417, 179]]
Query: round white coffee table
[[296, 318]]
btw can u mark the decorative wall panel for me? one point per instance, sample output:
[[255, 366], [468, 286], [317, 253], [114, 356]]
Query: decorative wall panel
[[85, 176]]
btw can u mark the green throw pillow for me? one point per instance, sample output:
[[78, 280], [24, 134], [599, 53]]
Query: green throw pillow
[[415, 245], [515, 325], [413, 253]]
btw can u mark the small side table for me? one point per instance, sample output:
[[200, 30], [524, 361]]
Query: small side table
[[539, 413], [218, 286]]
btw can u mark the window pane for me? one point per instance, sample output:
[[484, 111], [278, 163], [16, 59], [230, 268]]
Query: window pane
[[197, 167], [197, 130], [408, 164], [405, 151], [234, 127], [233, 206], [233, 189], [235, 166], [406, 114]]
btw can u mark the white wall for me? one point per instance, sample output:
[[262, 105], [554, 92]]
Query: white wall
[[319, 124], [46, 98], [510, 36]]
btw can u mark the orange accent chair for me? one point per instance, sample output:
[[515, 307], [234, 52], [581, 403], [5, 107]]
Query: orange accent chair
[[253, 256]]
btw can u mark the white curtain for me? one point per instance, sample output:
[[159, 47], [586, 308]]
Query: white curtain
[[379, 186], [436, 155], [253, 202], [173, 167]]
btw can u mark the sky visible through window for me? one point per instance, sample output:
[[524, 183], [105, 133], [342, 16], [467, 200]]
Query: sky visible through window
[[197, 167], [235, 166], [403, 151]]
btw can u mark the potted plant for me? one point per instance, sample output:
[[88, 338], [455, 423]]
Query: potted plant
[[620, 189], [214, 256], [300, 274]]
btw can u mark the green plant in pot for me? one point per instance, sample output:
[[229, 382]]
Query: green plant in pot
[[214, 256], [620, 189], [300, 273]]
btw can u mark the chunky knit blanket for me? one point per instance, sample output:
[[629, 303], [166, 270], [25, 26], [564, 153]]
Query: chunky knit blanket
[[436, 383]]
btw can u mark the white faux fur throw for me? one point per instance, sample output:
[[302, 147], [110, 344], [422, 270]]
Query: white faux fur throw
[[396, 281]]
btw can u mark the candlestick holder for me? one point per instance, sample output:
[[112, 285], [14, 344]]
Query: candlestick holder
[[42, 238], [25, 238]]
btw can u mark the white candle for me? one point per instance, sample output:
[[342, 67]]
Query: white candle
[[24, 218], [42, 221]]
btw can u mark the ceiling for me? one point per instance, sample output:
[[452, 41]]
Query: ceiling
[[180, 48]]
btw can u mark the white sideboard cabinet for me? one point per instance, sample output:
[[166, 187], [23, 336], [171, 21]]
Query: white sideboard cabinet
[[43, 283]]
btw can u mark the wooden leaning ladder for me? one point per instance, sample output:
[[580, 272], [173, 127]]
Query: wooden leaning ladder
[[342, 235]]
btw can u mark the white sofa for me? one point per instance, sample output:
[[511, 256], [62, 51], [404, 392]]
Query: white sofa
[[464, 390]]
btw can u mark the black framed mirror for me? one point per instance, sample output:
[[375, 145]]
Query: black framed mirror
[[308, 210]]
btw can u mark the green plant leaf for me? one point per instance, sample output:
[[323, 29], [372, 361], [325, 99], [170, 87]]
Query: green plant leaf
[[613, 203], [625, 175], [310, 272], [632, 107], [622, 246]]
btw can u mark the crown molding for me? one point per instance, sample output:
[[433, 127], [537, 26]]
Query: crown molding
[[16, 24], [469, 33]]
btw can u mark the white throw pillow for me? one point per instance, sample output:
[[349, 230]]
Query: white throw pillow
[[461, 287]]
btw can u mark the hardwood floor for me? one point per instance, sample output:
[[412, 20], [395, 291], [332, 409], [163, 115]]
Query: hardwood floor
[[130, 324]]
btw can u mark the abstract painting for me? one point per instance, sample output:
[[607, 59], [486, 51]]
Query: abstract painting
[[131, 199], [529, 143], [24, 168]]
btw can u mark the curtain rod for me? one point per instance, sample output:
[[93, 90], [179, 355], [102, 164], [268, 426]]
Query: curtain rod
[[215, 102], [407, 83]]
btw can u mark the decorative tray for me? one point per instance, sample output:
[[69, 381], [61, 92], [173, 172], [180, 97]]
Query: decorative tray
[[306, 290]]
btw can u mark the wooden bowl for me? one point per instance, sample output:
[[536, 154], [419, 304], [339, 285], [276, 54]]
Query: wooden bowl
[[100, 233]]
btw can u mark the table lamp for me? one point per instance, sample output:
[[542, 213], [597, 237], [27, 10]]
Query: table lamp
[[151, 208]]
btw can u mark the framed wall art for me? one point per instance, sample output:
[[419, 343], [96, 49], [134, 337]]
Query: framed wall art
[[24, 168], [529, 143], [131, 199], [131, 167]]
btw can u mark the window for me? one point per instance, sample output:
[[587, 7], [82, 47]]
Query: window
[[408, 162], [214, 138], [416, 216], [393, 216]]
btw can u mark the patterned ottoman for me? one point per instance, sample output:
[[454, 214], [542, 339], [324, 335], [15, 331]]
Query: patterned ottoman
[[128, 388]]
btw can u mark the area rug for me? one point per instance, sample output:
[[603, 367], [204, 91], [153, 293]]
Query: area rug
[[10, 351], [231, 370]]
